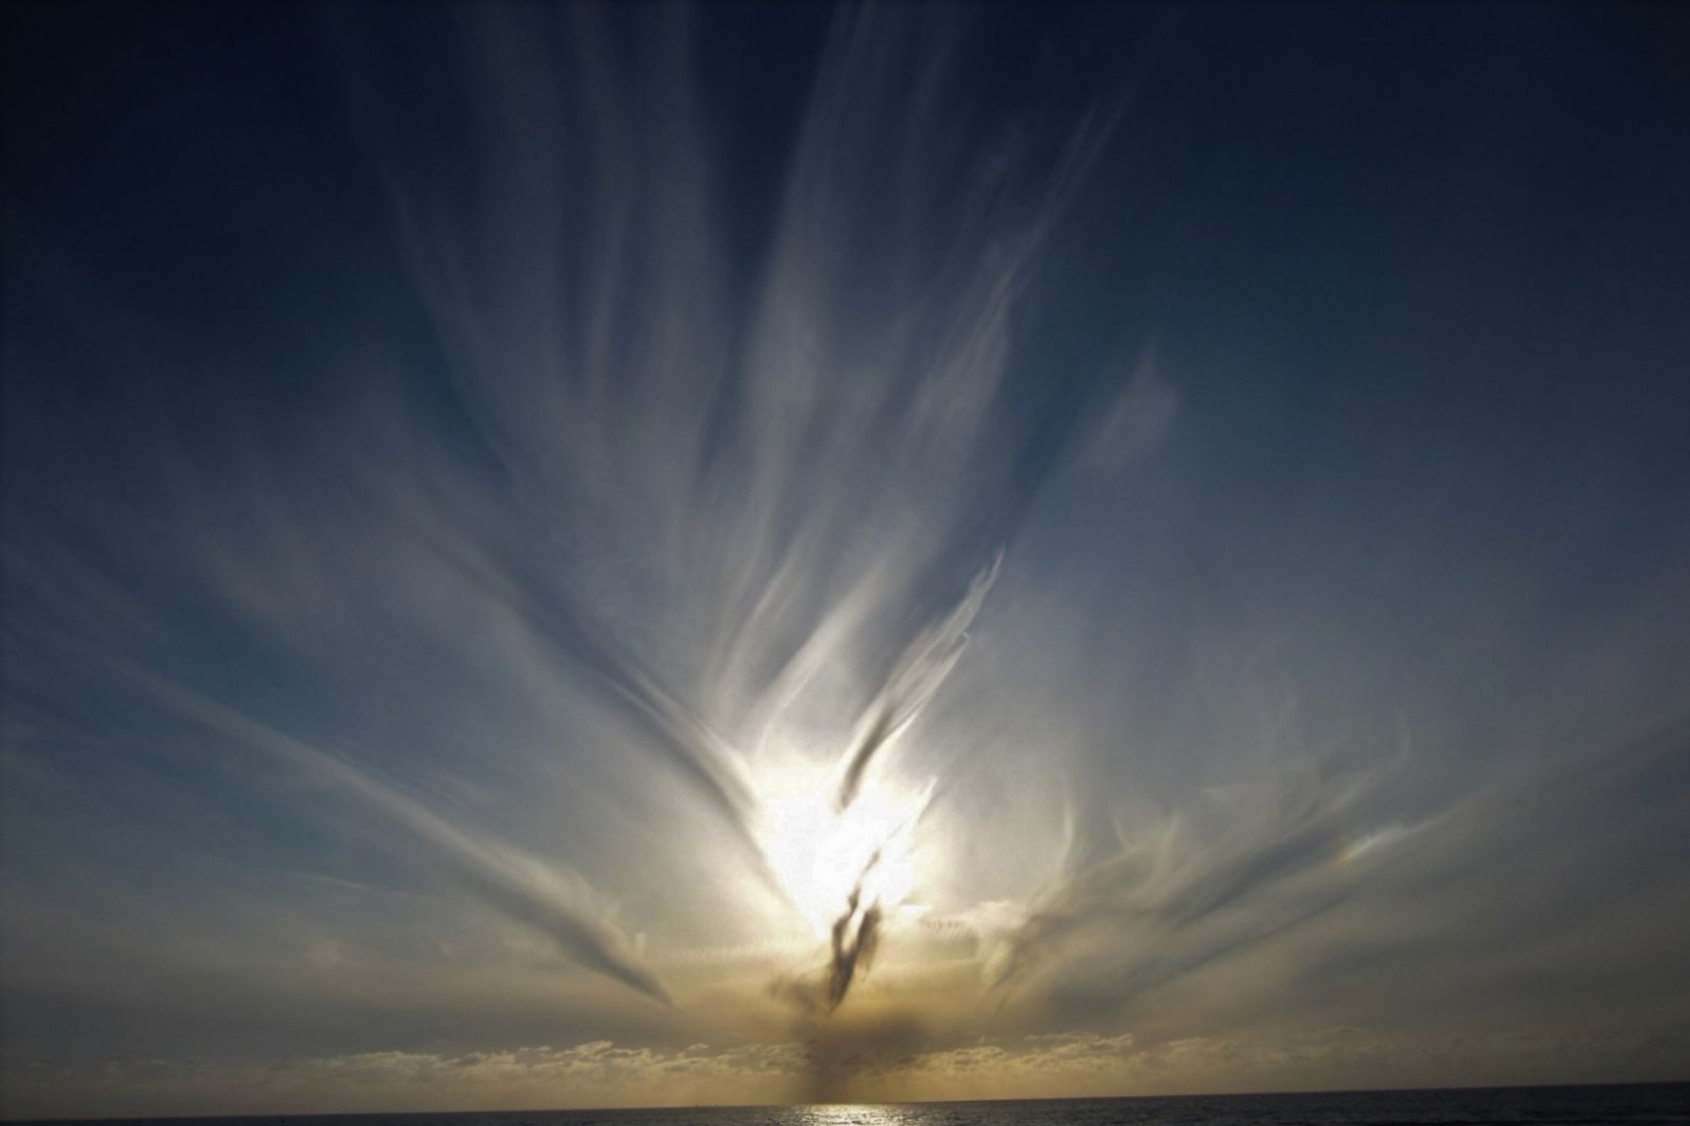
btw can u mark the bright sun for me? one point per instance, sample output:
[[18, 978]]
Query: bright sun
[[821, 854]]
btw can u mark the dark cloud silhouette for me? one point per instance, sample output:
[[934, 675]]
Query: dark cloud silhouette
[[855, 936]]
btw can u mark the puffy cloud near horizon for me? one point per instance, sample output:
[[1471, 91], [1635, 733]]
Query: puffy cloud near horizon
[[602, 1074]]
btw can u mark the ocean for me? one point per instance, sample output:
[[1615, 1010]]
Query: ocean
[[1615, 1105]]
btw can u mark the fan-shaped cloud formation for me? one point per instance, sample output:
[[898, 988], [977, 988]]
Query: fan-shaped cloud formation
[[589, 526]]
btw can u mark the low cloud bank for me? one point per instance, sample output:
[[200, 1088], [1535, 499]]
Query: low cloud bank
[[1072, 1064]]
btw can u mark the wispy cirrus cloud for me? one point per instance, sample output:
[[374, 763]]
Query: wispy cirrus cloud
[[548, 897]]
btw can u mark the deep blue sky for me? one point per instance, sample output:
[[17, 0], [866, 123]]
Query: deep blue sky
[[476, 480]]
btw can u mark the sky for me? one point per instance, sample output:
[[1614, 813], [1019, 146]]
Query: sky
[[589, 556]]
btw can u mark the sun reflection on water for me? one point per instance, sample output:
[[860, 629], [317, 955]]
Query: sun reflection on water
[[850, 1114]]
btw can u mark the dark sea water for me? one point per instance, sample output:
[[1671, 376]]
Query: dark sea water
[[1502, 1106]]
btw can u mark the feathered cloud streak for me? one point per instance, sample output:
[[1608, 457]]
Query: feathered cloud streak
[[548, 897], [699, 517]]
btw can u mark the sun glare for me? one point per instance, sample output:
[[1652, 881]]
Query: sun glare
[[821, 855]]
